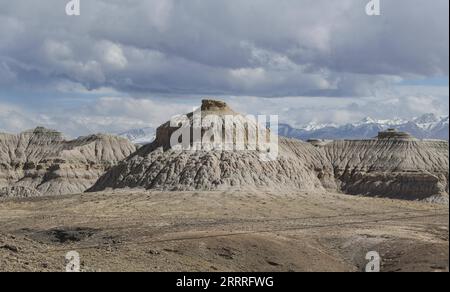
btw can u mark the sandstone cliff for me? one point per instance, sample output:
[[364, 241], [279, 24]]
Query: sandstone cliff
[[41, 161], [392, 165], [404, 168], [156, 166]]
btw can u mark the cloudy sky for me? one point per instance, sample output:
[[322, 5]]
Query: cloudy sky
[[133, 63]]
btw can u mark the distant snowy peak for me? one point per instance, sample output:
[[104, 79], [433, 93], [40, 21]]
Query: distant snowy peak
[[139, 136], [366, 120], [369, 120], [428, 121], [428, 126], [316, 126], [444, 121]]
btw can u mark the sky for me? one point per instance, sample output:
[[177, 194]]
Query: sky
[[126, 64]]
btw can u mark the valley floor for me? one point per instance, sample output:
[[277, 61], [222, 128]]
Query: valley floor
[[221, 231]]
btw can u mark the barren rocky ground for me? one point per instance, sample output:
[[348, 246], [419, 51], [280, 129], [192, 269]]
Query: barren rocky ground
[[137, 230]]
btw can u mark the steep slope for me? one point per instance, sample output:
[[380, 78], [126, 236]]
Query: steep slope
[[394, 164], [158, 166], [299, 166], [398, 168], [43, 161]]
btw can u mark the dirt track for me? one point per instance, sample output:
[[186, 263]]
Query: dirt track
[[221, 231]]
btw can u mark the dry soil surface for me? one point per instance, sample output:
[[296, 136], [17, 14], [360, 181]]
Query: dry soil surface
[[131, 230]]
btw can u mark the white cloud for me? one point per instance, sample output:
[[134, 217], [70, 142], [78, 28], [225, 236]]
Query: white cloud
[[103, 115], [7, 76], [13, 119], [57, 51], [114, 114], [303, 52], [304, 47], [111, 54], [10, 29]]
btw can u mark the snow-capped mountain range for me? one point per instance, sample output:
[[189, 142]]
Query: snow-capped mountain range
[[140, 136], [428, 126]]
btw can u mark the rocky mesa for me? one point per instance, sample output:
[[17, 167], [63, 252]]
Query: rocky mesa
[[299, 165], [43, 162], [394, 165]]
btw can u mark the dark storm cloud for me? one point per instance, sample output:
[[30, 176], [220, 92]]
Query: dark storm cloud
[[250, 47]]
